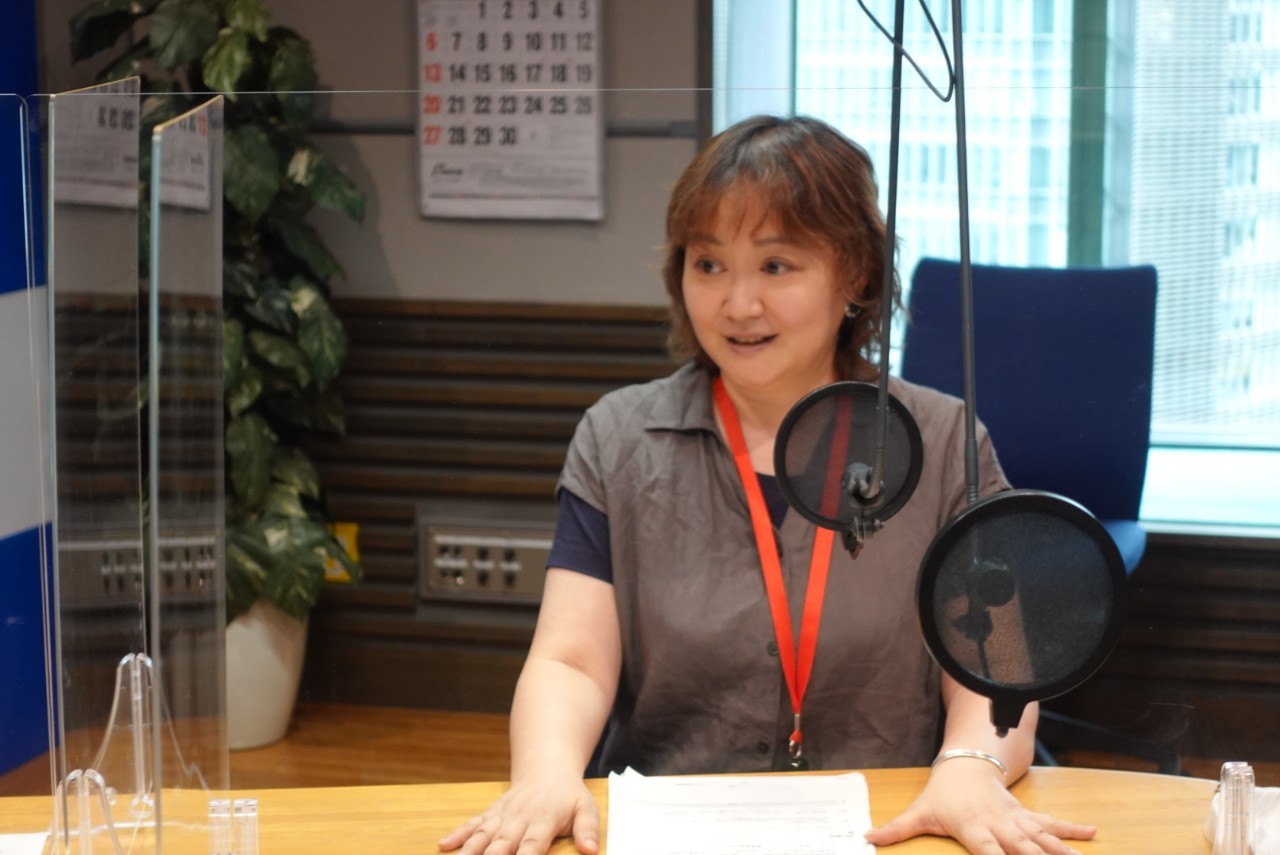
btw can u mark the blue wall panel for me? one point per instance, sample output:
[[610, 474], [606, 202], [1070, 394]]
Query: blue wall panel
[[17, 77], [23, 710], [23, 713]]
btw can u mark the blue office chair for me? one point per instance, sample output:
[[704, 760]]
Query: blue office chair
[[1063, 373], [1063, 364]]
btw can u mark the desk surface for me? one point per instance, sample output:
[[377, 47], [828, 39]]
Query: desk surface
[[1134, 812]]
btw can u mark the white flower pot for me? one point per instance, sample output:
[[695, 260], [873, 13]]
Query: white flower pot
[[265, 648]]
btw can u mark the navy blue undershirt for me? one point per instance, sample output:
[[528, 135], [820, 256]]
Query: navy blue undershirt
[[581, 541]]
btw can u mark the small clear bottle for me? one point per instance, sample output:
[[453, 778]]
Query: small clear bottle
[[1235, 811]]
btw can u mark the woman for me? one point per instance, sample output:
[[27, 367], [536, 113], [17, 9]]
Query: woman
[[654, 617]]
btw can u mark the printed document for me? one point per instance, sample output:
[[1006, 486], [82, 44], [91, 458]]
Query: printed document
[[738, 814]]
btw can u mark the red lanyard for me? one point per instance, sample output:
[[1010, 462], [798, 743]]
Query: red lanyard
[[795, 668]]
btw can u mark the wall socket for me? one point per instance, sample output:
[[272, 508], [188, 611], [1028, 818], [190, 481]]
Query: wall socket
[[109, 571], [482, 561]]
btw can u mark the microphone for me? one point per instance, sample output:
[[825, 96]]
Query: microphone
[[856, 484]]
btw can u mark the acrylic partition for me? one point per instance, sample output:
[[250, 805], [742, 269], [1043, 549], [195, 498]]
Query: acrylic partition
[[137, 590], [184, 456], [102, 768]]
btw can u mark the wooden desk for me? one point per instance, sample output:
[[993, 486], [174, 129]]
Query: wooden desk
[[1134, 812]]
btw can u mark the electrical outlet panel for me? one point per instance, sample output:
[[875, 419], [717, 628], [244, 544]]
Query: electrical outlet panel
[[100, 572], [483, 551], [109, 571], [482, 562]]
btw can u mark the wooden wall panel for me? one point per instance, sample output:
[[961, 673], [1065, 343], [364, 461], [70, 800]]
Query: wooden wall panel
[[1198, 662], [477, 402], [469, 402]]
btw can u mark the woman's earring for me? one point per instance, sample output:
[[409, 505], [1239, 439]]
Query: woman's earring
[[852, 311]]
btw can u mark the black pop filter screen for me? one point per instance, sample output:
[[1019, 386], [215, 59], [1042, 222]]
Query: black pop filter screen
[[833, 429], [1022, 594]]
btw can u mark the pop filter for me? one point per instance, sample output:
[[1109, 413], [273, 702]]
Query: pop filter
[[1020, 598], [825, 458]]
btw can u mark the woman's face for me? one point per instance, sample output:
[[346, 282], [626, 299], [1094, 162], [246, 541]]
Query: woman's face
[[764, 307]]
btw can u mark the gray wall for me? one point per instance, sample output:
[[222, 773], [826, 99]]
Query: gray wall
[[367, 56]]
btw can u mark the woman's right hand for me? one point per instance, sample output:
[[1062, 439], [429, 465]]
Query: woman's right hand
[[576, 654], [528, 818]]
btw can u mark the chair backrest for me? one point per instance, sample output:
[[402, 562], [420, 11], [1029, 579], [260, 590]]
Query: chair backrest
[[1063, 361]]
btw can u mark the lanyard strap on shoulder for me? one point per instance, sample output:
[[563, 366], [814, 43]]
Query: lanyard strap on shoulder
[[796, 665]]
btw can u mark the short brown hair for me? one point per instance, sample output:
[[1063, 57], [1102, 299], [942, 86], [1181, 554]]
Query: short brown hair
[[820, 185]]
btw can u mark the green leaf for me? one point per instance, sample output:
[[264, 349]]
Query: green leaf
[[326, 183], [246, 390], [274, 309], [239, 279], [297, 572], [181, 31], [252, 170], [293, 69], [283, 500], [288, 404], [320, 333], [227, 61], [335, 550], [247, 560], [249, 16], [283, 353], [328, 413], [291, 466], [250, 444], [232, 351], [97, 26], [127, 64], [302, 241]]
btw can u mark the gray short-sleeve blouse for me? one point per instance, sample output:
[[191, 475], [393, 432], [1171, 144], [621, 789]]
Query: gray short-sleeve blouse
[[701, 688]]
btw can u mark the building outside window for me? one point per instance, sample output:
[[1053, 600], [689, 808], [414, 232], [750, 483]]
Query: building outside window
[[1191, 184]]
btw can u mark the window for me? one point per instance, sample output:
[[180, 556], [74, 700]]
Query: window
[[1242, 165], [1039, 167], [1246, 27], [1245, 96], [1042, 16], [1185, 189]]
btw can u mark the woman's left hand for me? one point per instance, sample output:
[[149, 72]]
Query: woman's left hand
[[970, 803]]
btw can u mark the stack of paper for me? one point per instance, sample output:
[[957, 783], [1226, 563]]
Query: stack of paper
[[23, 844], [738, 815]]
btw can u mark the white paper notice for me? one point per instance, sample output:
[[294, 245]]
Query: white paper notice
[[510, 111], [185, 161], [23, 844], [95, 140], [738, 815]]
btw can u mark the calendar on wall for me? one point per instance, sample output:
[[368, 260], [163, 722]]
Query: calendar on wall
[[510, 113]]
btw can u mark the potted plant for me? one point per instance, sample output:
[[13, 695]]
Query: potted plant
[[283, 345]]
